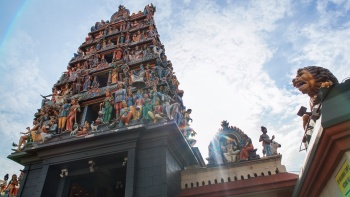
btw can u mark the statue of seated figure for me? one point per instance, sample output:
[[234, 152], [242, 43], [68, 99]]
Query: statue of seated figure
[[230, 151]]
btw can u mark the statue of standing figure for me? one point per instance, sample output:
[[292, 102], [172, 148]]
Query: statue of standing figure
[[62, 116], [107, 107], [120, 95], [74, 109], [266, 141]]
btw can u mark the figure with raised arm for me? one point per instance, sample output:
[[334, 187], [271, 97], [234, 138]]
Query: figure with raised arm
[[266, 141], [26, 135]]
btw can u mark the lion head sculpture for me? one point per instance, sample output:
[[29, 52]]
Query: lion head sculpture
[[310, 79]]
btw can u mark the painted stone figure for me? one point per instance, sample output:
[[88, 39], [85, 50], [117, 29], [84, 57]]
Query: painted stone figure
[[309, 80], [84, 130], [27, 135], [248, 146], [62, 116], [118, 55], [120, 95], [266, 141], [74, 109], [139, 102], [49, 130], [157, 112], [155, 95], [230, 150], [125, 114], [87, 83], [170, 109], [13, 186], [146, 107], [137, 77], [95, 83], [107, 107]]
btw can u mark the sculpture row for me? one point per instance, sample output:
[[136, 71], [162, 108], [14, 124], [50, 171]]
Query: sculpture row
[[231, 145], [9, 188]]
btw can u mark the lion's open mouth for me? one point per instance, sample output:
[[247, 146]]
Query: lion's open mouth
[[298, 84]]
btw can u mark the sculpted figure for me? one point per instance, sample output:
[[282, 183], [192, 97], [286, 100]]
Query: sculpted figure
[[62, 116], [118, 54], [248, 145], [134, 25], [78, 85], [147, 107], [87, 83], [308, 81], [27, 135], [74, 109], [125, 114], [122, 38], [137, 76], [13, 186], [170, 109], [157, 112], [95, 83], [186, 121], [128, 26], [155, 95], [266, 141], [84, 130], [48, 131], [120, 95], [127, 38], [107, 107], [114, 76], [230, 150], [152, 33], [138, 105]]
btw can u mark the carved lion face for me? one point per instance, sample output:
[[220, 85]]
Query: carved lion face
[[306, 83]]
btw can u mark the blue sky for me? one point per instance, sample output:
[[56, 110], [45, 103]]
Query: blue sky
[[234, 60]]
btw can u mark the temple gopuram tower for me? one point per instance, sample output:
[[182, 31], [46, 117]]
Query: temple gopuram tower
[[115, 123]]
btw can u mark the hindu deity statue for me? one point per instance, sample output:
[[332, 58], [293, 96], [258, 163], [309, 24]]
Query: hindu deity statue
[[125, 114], [72, 116], [107, 107], [120, 95]]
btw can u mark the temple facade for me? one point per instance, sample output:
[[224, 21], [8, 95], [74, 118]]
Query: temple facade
[[115, 125]]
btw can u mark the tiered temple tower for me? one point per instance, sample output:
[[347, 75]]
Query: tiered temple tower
[[114, 123]]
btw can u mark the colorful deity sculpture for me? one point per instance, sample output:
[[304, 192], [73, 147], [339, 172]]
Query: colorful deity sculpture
[[120, 95], [72, 116], [107, 107], [62, 116], [125, 114]]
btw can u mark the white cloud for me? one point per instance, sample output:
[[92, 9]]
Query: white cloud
[[219, 61], [20, 94]]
